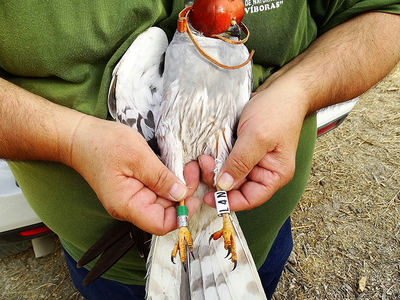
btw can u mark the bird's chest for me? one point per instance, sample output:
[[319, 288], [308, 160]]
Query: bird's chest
[[201, 100], [198, 115]]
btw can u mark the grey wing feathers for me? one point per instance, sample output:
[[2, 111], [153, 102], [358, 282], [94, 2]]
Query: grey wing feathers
[[135, 91]]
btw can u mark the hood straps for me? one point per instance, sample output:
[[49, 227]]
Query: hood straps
[[184, 27]]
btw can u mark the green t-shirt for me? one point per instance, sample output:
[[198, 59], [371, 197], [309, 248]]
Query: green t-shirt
[[65, 51]]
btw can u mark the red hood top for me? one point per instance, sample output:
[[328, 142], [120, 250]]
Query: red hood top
[[215, 16]]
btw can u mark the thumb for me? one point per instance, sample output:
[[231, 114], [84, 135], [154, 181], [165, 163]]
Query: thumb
[[157, 177], [246, 153]]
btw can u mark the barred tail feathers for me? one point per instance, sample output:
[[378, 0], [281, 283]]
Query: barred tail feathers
[[216, 278], [163, 278]]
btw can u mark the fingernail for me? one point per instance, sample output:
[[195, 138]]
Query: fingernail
[[177, 191], [225, 182]]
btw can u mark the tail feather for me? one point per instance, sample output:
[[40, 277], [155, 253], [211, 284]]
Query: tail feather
[[196, 289], [207, 275], [163, 277], [214, 281]]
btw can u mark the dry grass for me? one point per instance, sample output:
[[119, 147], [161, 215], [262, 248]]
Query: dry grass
[[346, 226], [22, 276]]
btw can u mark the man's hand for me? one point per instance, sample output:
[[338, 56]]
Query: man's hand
[[128, 178], [263, 157]]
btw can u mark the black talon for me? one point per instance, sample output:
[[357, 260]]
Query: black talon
[[191, 254], [211, 237], [184, 267], [234, 265], [172, 259], [229, 251]]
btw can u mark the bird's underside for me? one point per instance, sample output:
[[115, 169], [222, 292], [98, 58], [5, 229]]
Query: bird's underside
[[200, 107], [195, 106]]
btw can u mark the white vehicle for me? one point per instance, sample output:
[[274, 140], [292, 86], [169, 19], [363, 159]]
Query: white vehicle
[[19, 224], [332, 116]]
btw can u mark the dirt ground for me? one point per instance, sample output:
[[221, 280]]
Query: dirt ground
[[346, 228]]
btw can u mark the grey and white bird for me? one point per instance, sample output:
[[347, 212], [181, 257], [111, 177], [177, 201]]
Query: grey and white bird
[[185, 105]]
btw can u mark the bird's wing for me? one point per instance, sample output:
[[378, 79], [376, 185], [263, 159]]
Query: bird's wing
[[135, 91]]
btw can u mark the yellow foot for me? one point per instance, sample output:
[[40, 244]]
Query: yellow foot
[[227, 232], [183, 244]]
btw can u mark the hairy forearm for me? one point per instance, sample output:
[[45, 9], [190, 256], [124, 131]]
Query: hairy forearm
[[345, 61], [33, 128]]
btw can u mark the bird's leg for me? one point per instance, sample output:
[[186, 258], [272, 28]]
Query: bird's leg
[[227, 231], [185, 241], [223, 146], [174, 160]]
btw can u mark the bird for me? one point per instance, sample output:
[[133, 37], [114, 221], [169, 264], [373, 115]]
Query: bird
[[185, 98]]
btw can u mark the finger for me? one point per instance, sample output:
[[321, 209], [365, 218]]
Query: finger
[[248, 150], [207, 166], [191, 172], [192, 205], [239, 200], [275, 169], [265, 177], [209, 199], [260, 187], [170, 222], [250, 195], [156, 176]]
